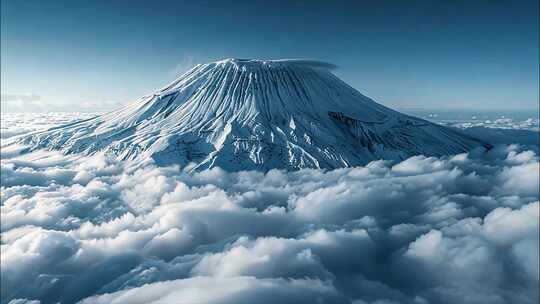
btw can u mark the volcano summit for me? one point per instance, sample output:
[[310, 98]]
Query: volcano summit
[[256, 115]]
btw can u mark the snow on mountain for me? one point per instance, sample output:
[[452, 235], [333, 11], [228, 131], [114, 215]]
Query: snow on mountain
[[256, 114]]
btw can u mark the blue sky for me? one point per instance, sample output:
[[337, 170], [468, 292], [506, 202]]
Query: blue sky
[[88, 55]]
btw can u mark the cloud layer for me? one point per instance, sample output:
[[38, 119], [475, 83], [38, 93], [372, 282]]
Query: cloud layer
[[462, 229]]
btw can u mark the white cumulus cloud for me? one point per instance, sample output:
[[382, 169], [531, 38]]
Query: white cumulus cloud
[[457, 229]]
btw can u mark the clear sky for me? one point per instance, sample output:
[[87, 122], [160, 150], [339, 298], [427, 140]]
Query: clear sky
[[94, 55]]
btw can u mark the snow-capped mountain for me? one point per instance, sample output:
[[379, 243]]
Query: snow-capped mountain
[[256, 114]]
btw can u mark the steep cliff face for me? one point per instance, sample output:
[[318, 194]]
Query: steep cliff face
[[256, 115]]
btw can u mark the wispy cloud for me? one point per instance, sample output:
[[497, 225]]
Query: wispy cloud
[[186, 63]]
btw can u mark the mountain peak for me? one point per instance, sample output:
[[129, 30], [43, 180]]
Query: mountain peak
[[273, 63], [244, 114]]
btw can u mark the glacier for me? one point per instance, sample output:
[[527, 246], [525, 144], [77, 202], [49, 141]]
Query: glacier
[[246, 114]]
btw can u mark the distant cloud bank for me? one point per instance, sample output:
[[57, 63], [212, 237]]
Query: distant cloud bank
[[19, 97]]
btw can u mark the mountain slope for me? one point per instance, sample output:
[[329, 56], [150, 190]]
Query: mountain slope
[[255, 114]]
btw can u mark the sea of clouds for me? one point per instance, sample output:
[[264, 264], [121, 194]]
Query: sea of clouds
[[456, 229]]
